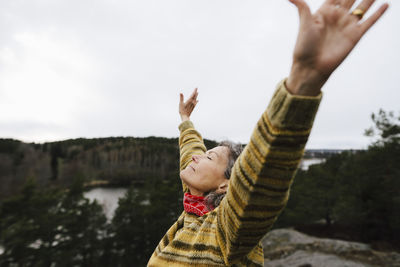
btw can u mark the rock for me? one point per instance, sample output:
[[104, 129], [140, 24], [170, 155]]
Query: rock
[[287, 247], [309, 259]]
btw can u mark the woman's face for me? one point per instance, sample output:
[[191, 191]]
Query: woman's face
[[206, 172]]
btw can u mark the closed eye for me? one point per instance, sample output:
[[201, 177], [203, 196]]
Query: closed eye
[[209, 157]]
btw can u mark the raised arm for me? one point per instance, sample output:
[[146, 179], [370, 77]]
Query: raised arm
[[190, 141], [262, 175]]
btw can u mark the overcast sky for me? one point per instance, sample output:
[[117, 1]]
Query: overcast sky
[[78, 68]]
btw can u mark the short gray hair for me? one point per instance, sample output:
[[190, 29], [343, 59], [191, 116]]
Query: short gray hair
[[213, 199], [234, 151]]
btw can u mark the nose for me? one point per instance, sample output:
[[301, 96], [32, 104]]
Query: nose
[[196, 158]]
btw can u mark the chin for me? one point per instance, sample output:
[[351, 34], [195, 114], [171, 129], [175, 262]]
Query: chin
[[183, 175]]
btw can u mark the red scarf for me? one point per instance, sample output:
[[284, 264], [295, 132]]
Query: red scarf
[[195, 204]]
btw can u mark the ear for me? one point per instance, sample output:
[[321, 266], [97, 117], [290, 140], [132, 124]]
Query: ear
[[223, 187]]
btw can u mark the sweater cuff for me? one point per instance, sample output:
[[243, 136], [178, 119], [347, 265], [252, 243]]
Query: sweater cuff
[[185, 125], [287, 111]]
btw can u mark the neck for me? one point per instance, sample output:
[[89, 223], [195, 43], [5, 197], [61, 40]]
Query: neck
[[195, 192]]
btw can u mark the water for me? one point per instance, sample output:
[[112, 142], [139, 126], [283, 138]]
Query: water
[[306, 163], [107, 197]]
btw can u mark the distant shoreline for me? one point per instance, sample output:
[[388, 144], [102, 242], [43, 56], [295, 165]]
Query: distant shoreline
[[105, 183]]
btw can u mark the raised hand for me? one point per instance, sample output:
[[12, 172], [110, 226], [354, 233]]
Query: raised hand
[[325, 39], [186, 108]]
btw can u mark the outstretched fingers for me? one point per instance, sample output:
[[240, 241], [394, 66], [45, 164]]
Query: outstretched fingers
[[186, 107], [368, 23], [193, 96], [347, 4], [303, 9], [365, 5], [192, 100]]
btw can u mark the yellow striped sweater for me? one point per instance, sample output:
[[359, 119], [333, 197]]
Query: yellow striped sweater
[[258, 190]]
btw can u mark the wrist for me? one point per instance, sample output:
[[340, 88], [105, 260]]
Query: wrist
[[305, 81], [185, 118]]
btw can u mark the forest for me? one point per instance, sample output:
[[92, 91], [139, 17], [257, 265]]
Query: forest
[[46, 221]]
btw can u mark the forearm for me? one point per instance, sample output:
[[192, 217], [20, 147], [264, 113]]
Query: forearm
[[190, 143]]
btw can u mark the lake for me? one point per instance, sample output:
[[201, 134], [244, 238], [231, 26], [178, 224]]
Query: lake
[[306, 163], [107, 197]]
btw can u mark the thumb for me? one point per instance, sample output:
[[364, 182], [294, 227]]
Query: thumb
[[303, 9]]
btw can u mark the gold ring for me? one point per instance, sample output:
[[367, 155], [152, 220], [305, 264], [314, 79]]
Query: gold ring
[[359, 13]]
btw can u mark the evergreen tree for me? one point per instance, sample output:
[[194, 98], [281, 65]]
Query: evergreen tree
[[355, 190], [51, 227], [142, 218]]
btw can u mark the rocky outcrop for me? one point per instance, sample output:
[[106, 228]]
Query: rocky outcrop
[[287, 247]]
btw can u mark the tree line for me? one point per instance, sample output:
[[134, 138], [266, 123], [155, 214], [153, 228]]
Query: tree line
[[355, 192]]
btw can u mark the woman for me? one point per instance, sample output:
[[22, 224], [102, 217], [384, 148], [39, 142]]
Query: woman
[[258, 187]]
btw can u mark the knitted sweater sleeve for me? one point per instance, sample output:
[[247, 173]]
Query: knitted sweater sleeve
[[263, 173], [190, 143]]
